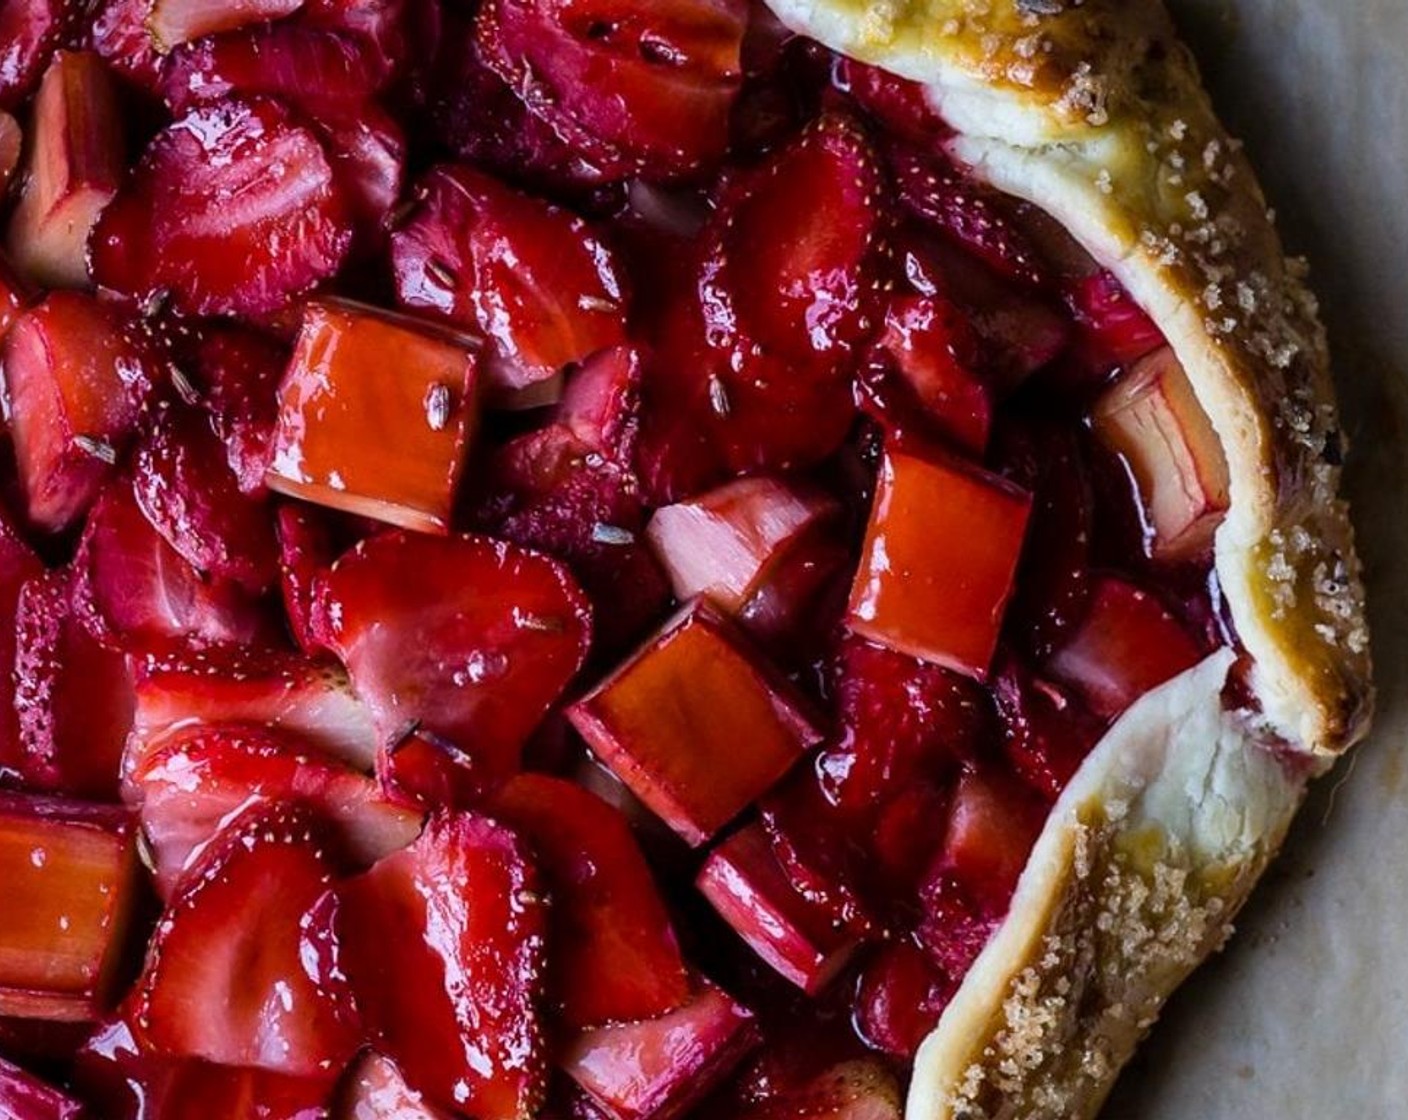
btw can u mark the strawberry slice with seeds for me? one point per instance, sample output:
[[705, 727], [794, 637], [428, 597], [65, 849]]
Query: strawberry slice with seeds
[[1047, 732], [624, 80], [614, 955], [77, 377], [536, 280], [29, 32], [245, 965], [235, 374], [195, 779], [475, 648], [899, 104], [307, 548], [232, 209], [992, 825], [444, 945], [1116, 330], [117, 30], [25, 1097]]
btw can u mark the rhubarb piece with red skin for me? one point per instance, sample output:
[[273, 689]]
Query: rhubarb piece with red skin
[[195, 779], [538, 282], [70, 871], [653, 92], [172, 227], [173, 22], [467, 638], [745, 883], [77, 376], [669, 723], [1128, 643], [445, 947], [374, 1089], [29, 32], [245, 967], [658, 1069], [286, 692], [939, 560], [24, 1097], [1151, 418], [724, 543], [75, 165], [376, 414], [612, 952], [73, 696], [18, 565]]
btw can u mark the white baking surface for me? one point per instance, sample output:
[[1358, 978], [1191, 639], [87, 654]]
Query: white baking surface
[[1306, 1013]]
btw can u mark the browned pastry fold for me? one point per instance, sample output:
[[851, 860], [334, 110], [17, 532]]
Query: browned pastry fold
[[1095, 112]]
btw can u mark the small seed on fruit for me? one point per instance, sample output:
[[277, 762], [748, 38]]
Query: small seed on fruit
[[603, 533], [441, 273], [718, 396], [97, 448], [184, 386], [437, 406]]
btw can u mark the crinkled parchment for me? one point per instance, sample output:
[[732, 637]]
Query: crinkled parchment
[[1306, 1013]]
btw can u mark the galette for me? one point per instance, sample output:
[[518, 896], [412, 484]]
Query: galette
[[640, 559]]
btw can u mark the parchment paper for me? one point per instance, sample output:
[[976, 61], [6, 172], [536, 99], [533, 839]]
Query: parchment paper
[[1306, 1014]]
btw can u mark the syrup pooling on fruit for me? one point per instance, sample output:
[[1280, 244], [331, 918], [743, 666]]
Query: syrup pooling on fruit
[[557, 556]]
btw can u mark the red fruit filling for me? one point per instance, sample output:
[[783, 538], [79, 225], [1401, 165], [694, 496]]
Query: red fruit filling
[[593, 630]]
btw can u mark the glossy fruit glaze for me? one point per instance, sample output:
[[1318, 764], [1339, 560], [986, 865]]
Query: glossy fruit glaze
[[556, 556]]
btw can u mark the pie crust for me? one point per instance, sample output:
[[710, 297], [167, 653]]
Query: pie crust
[[1095, 113]]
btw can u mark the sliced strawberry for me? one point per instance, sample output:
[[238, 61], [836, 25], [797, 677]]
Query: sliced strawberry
[[900, 998], [133, 588], [173, 227], [475, 648], [306, 550], [1046, 731], [195, 779], [245, 967], [536, 280], [646, 83], [613, 952], [228, 684], [184, 484], [1128, 643], [367, 149], [18, 565], [351, 438], [375, 1090], [75, 163], [235, 373], [899, 104], [71, 878], [992, 825], [428, 770], [659, 1068], [173, 22], [1115, 328], [600, 403], [29, 32], [956, 922], [73, 696], [668, 723], [77, 378], [444, 947], [117, 30], [25, 1097]]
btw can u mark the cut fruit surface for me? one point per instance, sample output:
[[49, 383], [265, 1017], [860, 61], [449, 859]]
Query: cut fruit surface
[[1152, 419], [670, 720], [173, 22], [445, 944], [656, 1069], [71, 879], [75, 164], [939, 560], [245, 967], [376, 412], [475, 647], [24, 1097], [375, 1090]]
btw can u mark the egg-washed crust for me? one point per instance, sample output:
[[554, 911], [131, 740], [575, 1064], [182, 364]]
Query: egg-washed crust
[[1094, 112]]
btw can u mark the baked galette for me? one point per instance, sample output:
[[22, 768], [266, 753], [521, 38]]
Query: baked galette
[[640, 559]]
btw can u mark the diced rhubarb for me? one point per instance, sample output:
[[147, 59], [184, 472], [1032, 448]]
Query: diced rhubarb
[[863, 1089], [18, 565], [133, 588], [73, 696], [1116, 329], [993, 823], [670, 721], [939, 558], [657, 1069], [1128, 644], [613, 952], [227, 684], [75, 165], [376, 412], [232, 209], [24, 1097], [464, 637], [375, 1090], [245, 967], [77, 377], [1152, 419], [536, 280], [723, 544], [802, 594], [195, 779], [644, 83], [744, 882], [173, 22], [70, 873], [445, 948], [29, 32]]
